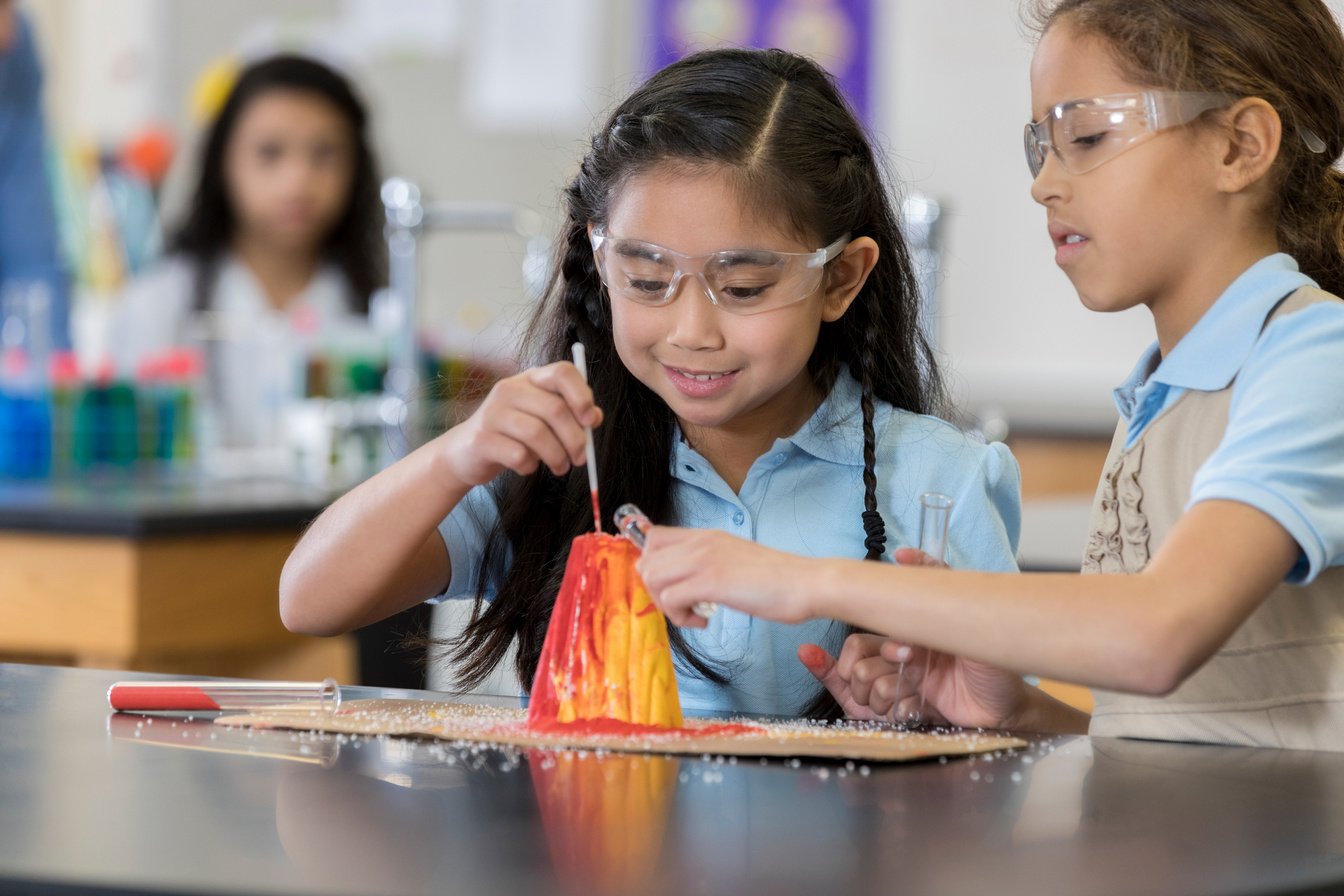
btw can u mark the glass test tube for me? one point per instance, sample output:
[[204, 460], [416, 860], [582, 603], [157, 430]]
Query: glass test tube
[[212, 696], [935, 510]]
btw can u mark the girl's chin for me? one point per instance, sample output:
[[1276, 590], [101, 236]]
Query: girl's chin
[[697, 417], [1103, 304], [296, 234]]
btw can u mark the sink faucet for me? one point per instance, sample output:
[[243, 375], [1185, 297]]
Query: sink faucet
[[407, 218]]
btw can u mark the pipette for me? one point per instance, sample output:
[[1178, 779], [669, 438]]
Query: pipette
[[634, 525], [581, 362]]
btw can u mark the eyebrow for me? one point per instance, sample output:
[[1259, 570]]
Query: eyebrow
[[628, 248], [756, 257], [638, 249]]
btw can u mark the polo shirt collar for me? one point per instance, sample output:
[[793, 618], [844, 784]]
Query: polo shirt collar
[[1219, 343], [1213, 352]]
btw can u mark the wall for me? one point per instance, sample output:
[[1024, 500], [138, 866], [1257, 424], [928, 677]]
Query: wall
[[1019, 342]]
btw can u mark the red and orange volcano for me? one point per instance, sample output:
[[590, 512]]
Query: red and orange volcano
[[606, 655]]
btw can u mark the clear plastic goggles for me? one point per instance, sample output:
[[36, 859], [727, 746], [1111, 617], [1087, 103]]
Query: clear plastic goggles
[[739, 281], [1084, 134]]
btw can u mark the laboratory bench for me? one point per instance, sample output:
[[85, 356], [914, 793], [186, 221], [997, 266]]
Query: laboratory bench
[[158, 574], [93, 801]]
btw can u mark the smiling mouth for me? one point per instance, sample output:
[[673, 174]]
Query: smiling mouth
[[701, 377]]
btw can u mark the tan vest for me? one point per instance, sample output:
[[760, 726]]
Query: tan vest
[[1279, 680]]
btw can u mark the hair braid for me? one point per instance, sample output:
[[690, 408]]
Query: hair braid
[[874, 528]]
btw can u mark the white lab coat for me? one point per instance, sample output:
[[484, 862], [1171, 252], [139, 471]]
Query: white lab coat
[[254, 355]]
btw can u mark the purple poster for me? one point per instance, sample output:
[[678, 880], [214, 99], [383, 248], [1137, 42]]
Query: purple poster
[[833, 32]]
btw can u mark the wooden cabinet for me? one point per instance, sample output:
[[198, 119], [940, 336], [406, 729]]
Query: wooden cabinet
[[1054, 466], [145, 578]]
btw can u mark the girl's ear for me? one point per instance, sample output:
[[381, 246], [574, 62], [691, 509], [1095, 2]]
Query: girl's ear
[[1252, 137], [845, 276]]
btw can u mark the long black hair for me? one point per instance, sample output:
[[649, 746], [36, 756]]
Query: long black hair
[[777, 123], [354, 244]]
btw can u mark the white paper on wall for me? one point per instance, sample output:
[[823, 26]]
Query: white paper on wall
[[532, 64]]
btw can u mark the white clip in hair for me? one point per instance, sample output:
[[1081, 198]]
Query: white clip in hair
[[1312, 139]]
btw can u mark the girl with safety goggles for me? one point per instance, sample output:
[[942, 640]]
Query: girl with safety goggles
[[731, 261]]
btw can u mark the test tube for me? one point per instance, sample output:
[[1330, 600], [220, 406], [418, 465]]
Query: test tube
[[633, 524], [935, 510], [213, 696]]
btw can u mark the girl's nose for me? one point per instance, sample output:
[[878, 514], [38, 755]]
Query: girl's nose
[[1051, 183], [302, 170], [694, 319]]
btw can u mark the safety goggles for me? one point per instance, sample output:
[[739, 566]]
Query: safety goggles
[[739, 281], [1084, 134]]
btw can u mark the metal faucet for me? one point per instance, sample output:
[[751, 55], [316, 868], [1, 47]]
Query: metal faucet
[[922, 223], [407, 218]]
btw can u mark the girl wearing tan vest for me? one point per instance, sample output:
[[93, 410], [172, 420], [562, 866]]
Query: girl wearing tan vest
[[1183, 151]]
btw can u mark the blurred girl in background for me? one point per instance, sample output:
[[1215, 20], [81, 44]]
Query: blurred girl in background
[[282, 242]]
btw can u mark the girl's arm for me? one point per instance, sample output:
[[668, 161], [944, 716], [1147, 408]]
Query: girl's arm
[[377, 550], [1143, 633]]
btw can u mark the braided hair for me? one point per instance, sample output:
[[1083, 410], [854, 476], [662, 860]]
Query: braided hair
[[777, 124]]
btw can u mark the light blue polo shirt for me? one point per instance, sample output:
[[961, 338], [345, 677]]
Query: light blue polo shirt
[[805, 496], [1283, 452]]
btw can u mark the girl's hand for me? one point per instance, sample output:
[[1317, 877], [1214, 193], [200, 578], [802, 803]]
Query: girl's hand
[[681, 567], [956, 691], [880, 678], [531, 419], [869, 683], [861, 681]]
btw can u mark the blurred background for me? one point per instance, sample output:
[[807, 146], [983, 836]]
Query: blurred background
[[494, 102]]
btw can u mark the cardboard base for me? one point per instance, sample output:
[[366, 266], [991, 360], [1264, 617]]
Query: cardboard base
[[508, 727]]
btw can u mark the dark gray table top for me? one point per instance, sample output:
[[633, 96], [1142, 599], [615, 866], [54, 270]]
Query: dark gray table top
[[137, 507], [91, 801]]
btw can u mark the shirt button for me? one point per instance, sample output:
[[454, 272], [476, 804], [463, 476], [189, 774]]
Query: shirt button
[[779, 458], [738, 517]]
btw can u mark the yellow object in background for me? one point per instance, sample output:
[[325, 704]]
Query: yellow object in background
[[105, 262], [212, 88]]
